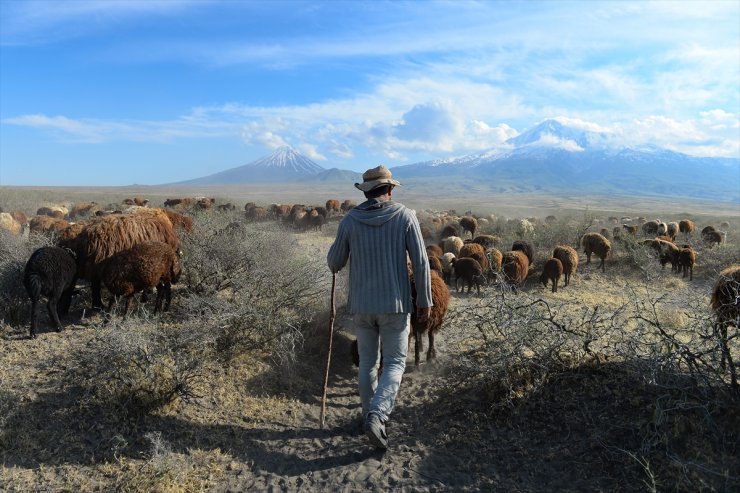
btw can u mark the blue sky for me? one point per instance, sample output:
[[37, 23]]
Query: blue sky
[[155, 91]]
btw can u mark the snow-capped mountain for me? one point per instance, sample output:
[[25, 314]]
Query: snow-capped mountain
[[555, 157], [285, 164]]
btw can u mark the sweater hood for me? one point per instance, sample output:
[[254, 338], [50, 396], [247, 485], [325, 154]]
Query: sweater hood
[[374, 212]]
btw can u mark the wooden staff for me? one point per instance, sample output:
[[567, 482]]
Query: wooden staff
[[328, 356]]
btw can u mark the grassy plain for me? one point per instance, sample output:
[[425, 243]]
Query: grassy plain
[[612, 383]]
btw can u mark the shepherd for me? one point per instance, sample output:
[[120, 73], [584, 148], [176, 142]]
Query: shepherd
[[376, 237]]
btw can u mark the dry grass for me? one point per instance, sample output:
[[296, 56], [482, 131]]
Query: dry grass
[[611, 383]]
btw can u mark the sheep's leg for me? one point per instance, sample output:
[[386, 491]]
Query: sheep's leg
[[588, 258], [691, 272], [431, 352], [95, 287], [160, 296], [418, 348], [52, 307], [128, 305], [567, 279], [603, 269], [66, 299], [34, 320], [168, 296], [554, 285]]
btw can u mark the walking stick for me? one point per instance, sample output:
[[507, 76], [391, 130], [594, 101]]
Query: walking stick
[[328, 356]]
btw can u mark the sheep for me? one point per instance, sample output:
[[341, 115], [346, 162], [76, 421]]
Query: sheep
[[631, 229], [662, 228], [143, 267], [515, 266], [469, 224], [58, 211], [226, 207], [447, 266], [279, 211], [552, 271], [311, 220], [725, 304], [664, 238], [707, 229], [526, 247], [435, 264], [204, 203], [669, 253], [256, 214], [440, 301], [725, 225], [486, 241], [46, 224], [494, 259], [686, 226], [21, 218], [141, 201], [551, 220], [179, 222], [712, 237], [469, 271], [434, 251], [453, 244], [184, 202], [109, 235], [347, 205], [569, 258], [449, 231], [672, 230], [686, 261], [595, 243], [650, 228], [83, 209], [51, 272], [332, 205], [470, 249], [9, 224]]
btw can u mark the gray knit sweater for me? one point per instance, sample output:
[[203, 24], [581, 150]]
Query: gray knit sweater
[[375, 237]]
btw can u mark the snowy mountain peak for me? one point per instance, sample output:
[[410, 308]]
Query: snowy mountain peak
[[553, 133], [287, 158]]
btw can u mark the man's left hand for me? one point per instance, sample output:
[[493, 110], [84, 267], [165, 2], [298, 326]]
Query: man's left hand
[[422, 314]]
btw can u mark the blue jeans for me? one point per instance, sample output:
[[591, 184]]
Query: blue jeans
[[392, 329]]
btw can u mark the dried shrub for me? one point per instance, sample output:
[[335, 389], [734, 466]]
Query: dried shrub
[[137, 368], [15, 307]]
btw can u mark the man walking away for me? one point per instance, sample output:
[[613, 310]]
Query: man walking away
[[376, 237]]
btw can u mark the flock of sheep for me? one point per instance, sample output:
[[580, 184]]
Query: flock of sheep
[[136, 248]]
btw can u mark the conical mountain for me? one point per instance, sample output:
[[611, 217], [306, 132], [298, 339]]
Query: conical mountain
[[285, 164]]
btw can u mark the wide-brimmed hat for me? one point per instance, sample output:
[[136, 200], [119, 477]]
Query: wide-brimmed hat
[[376, 177]]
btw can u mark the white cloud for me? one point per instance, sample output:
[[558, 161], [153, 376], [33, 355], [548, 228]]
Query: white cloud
[[547, 140], [310, 151]]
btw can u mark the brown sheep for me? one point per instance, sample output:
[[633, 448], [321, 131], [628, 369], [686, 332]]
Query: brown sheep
[[332, 205], [106, 236], [141, 201], [347, 205], [672, 230], [226, 207], [470, 224], [440, 300], [83, 209], [487, 241], [526, 247], [725, 303], [256, 214], [686, 261], [434, 251], [9, 224], [495, 257], [279, 211], [686, 226], [595, 243], [145, 266], [204, 203], [448, 231], [474, 248], [21, 218], [552, 271], [712, 237], [184, 202], [664, 238], [630, 229], [469, 271], [515, 266], [707, 229], [435, 264], [47, 224], [179, 222], [650, 228], [569, 258]]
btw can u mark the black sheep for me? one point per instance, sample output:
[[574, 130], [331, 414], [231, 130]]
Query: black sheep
[[52, 272]]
